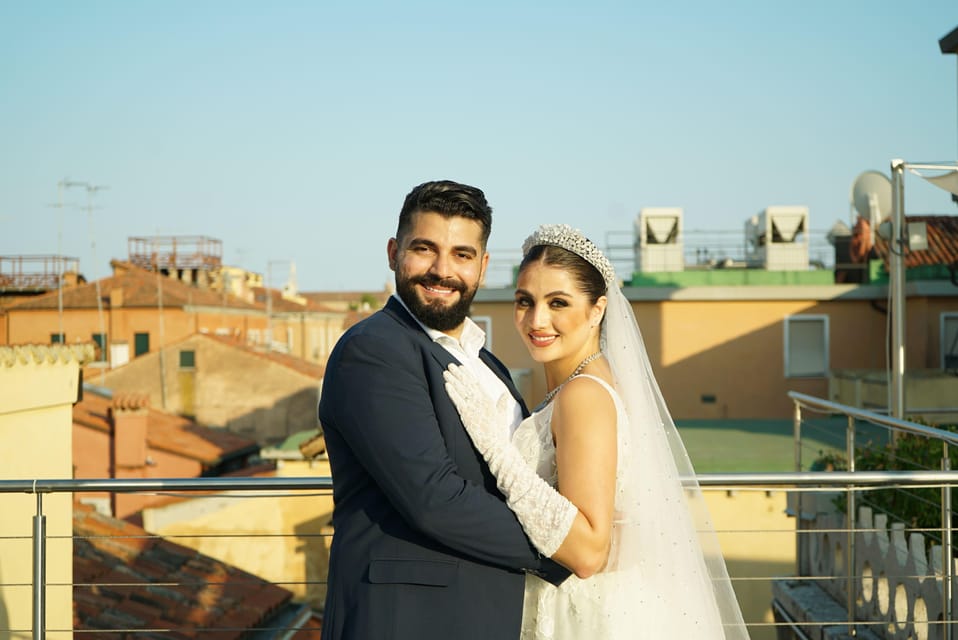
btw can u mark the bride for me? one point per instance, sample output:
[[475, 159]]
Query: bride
[[598, 475]]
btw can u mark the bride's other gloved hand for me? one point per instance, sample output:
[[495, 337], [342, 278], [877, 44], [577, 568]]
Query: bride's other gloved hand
[[544, 513]]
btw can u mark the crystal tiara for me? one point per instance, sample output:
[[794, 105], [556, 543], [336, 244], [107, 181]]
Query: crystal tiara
[[565, 237]]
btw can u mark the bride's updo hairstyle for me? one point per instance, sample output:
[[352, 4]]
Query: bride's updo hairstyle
[[590, 281]]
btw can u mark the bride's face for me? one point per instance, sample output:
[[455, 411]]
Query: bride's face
[[554, 317]]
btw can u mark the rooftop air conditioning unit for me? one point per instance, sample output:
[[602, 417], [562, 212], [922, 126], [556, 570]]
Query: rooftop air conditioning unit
[[777, 239], [658, 239]]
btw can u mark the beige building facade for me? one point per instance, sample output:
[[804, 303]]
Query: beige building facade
[[218, 383], [736, 351], [282, 536], [38, 387]]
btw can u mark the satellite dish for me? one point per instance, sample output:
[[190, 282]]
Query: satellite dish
[[871, 196]]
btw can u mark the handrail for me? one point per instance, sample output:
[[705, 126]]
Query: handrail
[[821, 406], [325, 483], [852, 414], [829, 478], [127, 485], [798, 481]]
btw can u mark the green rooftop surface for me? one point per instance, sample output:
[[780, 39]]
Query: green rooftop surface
[[762, 277], [292, 442], [731, 277], [738, 446]]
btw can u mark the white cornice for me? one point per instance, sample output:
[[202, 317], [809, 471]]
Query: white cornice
[[45, 354]]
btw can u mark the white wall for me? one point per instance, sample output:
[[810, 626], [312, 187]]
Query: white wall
[[38, 386]]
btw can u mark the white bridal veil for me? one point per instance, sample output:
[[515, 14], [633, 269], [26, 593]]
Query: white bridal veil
[[664, 531]]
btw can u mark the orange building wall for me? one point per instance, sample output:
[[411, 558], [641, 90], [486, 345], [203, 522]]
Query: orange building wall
[[91, 453], [92, 458], [310, 335], [923, 325], [734, 350], [122, 323], [36, 326]]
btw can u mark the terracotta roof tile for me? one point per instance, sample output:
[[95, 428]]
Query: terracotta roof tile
[[130, 401], [279, 304], [165, 431], [306, 367], [353, 317], [140, 289], [117, 591], [942, 242], [346, 296]]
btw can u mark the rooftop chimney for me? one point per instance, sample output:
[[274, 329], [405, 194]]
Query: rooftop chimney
[[130, 416]]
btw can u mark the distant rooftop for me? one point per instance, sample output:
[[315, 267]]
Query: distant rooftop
[[167, 253], [34, 273]]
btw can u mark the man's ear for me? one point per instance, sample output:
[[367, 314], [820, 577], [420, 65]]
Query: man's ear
[[392, 249], [484, 268]]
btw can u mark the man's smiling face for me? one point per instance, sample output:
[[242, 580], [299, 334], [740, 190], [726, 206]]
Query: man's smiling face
[[439, 263]]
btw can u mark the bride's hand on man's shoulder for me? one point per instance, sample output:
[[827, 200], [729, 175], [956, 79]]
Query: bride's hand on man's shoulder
[[479, 414]]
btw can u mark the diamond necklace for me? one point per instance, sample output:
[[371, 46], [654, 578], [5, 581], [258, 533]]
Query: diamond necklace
[[551, 394]]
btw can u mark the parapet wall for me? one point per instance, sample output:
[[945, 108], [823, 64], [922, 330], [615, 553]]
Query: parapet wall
[[897, 583]]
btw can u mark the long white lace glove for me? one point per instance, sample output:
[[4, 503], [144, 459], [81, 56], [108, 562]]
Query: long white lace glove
[[544, 513]]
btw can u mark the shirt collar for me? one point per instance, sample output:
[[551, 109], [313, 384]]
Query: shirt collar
[[473, 338]]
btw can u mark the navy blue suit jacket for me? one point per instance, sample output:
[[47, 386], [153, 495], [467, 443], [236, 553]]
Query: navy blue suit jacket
[[424, 545]]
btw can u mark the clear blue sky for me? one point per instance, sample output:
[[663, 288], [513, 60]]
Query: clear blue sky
[[293, 130]]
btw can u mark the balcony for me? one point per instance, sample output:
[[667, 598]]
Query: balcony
[[800, 566]]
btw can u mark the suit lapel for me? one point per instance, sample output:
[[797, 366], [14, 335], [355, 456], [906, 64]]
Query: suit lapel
[[500, 370], [398, 311]]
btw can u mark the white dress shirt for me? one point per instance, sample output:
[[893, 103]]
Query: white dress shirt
[[466, 351]]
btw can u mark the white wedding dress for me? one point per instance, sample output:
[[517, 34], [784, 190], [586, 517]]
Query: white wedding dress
[[658, 586]]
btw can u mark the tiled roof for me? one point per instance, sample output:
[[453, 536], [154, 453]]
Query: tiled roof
[[126, 579], [140, 289], [942, 242], [11, 301], [166, 431], [311, 369], [345, 296], [354, 317], [284, 305]]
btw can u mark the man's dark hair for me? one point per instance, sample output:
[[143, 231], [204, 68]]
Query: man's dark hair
[[448, 199]]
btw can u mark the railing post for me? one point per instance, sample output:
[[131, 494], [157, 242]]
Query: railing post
[[947, 551], [799, 494], [39, 571], [797, 433], [850, 528]]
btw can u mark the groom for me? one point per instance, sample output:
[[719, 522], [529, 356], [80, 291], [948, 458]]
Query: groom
[[423, 545]]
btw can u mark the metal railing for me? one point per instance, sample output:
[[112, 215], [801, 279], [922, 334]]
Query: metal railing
[[801, 482], [851, 484], [942, 479], [44, 487]]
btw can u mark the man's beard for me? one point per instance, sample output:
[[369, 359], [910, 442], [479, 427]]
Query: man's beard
[[435, 314]]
